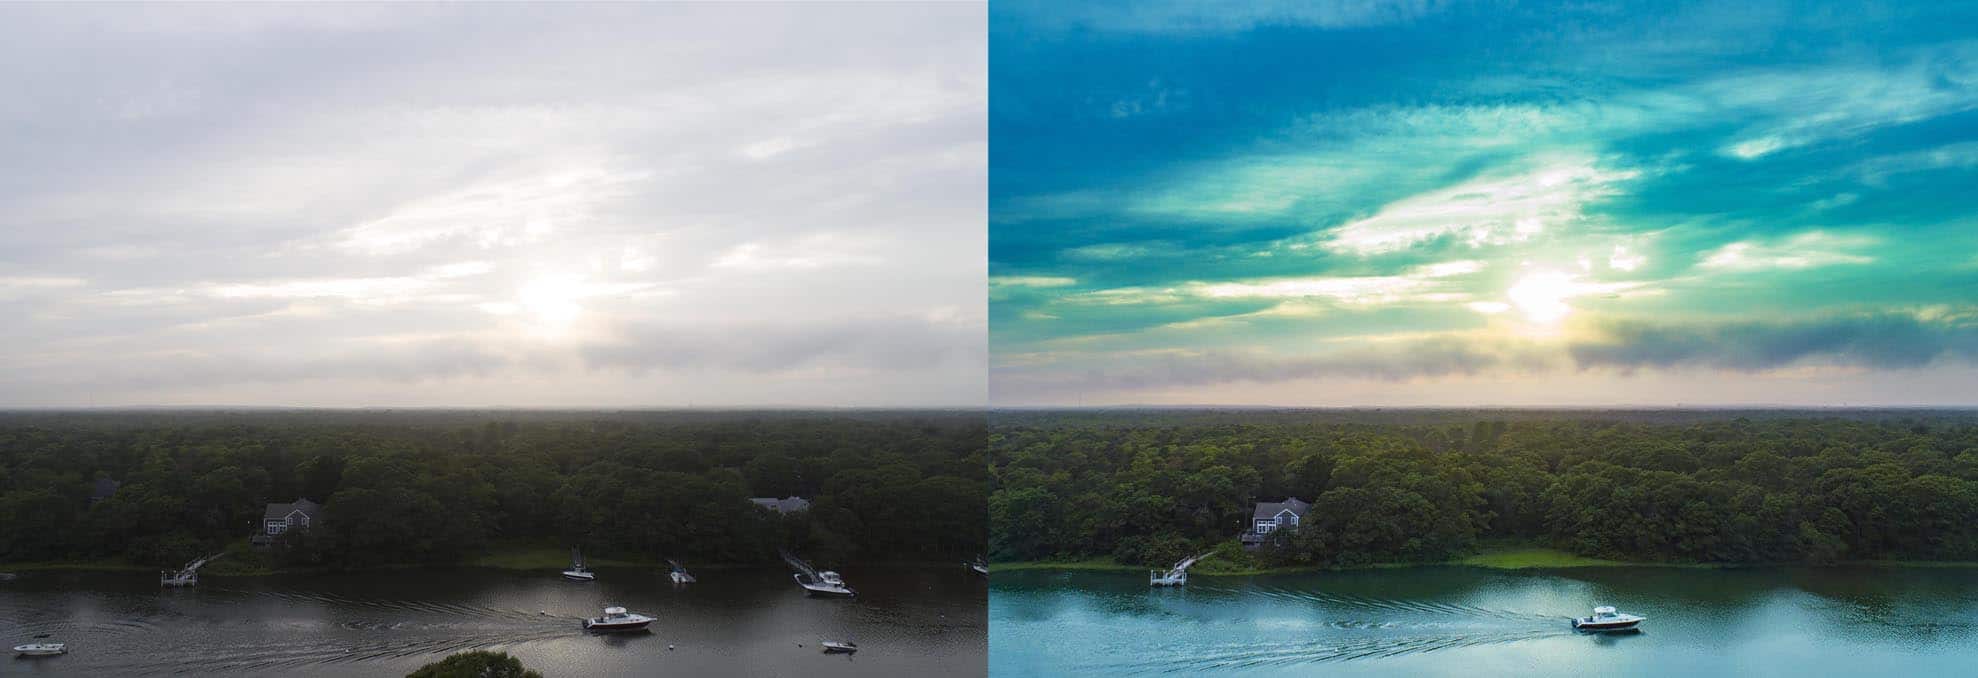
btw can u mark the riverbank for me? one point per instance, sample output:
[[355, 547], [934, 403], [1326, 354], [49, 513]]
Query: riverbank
[[1491, 558], [242, 561]]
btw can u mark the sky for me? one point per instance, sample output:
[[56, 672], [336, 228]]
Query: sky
[[1380, 204], [363, 205]]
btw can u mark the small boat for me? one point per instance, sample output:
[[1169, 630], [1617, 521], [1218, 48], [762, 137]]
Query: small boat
[[1607, 619], [826, 583], [577, 571], [679, 574], [41, 649], [8, 576], [617, 619], [834, 646], [816, 583], [978, 566]]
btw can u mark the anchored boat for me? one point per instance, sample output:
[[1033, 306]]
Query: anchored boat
[[839, 646], [617, 619], [577, 571], [979, 566], [679, 573], [1605, 618], [41, 649], [815, 582]]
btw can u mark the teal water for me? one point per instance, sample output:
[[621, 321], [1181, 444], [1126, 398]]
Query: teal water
[[1461, 621]]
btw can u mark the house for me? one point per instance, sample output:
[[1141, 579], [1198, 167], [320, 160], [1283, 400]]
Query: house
[[281, 518], [784, 505], [102, 490], [1271, 516]]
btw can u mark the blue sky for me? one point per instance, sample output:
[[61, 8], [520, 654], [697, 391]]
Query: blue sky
[[1425, 203]]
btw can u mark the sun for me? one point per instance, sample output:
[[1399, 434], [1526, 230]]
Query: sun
[[552, 301], [1541, 296]]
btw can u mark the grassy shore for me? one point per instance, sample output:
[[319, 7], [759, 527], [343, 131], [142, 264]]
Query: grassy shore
[[243, 561], [1505, 557]]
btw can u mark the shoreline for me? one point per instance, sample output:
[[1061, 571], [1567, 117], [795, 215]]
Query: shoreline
[[1525, 558], [517, 559]]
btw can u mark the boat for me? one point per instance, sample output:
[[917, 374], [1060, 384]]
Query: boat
[[577, 571], [826, 583], [41, 649], [815, 582], [839, 646], [1605, 618], [1174, 576], [617, 619], [679, 573], [978, 566], [8, 576]]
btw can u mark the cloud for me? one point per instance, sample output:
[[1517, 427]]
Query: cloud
[[1484, 211], [1881, 341], [870, 343], [1811, 249], [1184, 17], [265, 203]]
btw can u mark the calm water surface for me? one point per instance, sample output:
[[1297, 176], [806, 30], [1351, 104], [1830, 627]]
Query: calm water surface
[[907, 621], [1458, 621]]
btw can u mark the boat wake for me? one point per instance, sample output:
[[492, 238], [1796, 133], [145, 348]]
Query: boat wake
[[1359, 629], [1237, 656]]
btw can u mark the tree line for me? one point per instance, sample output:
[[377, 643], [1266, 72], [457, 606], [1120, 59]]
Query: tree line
[[1146, 487], [438, 487]]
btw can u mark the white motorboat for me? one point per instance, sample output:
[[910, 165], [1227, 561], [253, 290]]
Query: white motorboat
[[577, 571], [816, 583], [839, 646], [978, 566], [679, 574], [1607, 619], [41, 649], [826, 583], [617, 619]]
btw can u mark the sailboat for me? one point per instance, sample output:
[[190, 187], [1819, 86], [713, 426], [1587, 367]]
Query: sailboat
[[577, 571]]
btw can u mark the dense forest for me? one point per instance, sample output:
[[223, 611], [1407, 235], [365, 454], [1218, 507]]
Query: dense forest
[[437, 487], [1148, 486]]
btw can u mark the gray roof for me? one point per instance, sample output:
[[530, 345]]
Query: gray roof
[[1269, 509], [784, 505], [281, 511]]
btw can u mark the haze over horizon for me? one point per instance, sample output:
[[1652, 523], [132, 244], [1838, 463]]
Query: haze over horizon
[[1484, 204], [492, 205]]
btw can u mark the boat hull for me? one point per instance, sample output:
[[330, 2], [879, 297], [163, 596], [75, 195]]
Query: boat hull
[[602, 627], [580, 577], [829, 592], [1585, 625]]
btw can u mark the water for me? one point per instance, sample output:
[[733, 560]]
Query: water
[[1459, 621], [907, 621]]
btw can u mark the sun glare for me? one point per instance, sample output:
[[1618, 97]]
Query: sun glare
[[1541, 296], [552, 301]]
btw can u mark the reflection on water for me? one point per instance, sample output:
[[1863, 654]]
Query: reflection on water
[[1467, 621], [735, 622]]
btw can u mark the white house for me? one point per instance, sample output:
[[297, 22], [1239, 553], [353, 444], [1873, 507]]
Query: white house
[[1271, 516], [299, 515]]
